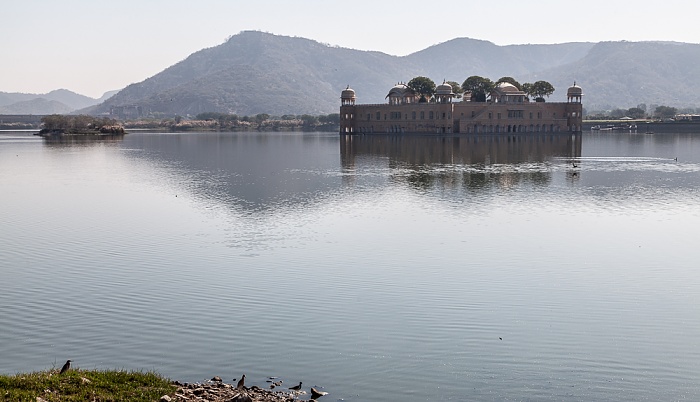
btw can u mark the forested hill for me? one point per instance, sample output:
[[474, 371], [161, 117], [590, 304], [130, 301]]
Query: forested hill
[[255, 72]]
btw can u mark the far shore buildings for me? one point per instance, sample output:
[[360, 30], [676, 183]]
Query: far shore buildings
[[508, 110]]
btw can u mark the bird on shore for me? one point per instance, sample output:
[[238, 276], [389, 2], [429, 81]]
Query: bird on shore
[[65, 367], [316, 393], [296, 387], [241, 382]]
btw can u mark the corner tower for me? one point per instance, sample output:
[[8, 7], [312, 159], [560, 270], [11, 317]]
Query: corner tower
[[574, 94], [347, 111], [574, 108]]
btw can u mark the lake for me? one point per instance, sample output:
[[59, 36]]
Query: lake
[[379, 268]]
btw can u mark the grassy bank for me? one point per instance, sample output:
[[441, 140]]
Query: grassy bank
[[85, 385]]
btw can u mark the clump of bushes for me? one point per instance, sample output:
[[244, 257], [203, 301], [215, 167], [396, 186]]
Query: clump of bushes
[[79, 124]]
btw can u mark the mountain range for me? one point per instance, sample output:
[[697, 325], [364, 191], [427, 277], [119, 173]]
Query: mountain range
[[255, 72], [60, 101]]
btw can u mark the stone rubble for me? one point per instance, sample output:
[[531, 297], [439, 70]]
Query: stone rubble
[[216, 390]]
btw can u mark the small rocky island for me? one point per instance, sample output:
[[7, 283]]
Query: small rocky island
[[79, 125]]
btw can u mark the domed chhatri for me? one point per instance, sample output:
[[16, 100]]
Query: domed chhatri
[[444, 89], [443, 93], [347, 96], [401, 94], [507, 110], [574, 94]]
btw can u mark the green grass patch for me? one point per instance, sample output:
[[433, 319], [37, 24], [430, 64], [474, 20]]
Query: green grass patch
[[85, 385]]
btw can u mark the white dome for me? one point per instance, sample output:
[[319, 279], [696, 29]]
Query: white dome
[[444, 89], [574, 90], [348, 93], [507, 87]]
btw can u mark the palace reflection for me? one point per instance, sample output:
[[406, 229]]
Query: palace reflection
[[472, 161]]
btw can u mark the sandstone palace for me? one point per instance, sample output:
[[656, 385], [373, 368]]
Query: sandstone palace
[[507, 109]]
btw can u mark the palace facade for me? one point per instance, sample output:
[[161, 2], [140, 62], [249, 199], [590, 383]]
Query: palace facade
[[508, 110]]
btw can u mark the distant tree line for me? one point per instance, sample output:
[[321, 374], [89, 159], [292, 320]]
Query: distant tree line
[[479, 88], [261, 117], [217, 121], [264, 121], [639, 112]]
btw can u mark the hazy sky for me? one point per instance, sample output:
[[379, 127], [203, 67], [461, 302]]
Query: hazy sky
[[93, 46]]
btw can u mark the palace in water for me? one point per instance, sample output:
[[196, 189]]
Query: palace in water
[[508, 110]]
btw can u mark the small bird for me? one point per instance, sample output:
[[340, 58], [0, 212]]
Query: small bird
[[65, 367], [317, 394], [241, 382], [296, 387], [575, 165]]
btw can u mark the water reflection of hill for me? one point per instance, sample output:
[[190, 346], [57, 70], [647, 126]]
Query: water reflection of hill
[[469, 161], [250, 171]]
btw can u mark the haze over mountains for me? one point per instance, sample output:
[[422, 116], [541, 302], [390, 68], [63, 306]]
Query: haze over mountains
[[255, 72], [60, 101]]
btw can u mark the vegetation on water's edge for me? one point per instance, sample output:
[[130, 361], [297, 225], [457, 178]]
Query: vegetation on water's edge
[[85, 385], [231, 122], [57, 124]]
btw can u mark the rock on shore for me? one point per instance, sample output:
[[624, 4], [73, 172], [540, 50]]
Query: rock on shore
[[218, 391]]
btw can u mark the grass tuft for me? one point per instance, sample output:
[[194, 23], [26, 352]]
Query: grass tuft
[[85, 385]]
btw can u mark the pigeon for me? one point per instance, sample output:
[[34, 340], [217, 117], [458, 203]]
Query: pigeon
[[296, 387], [65, 367], [241, 382]]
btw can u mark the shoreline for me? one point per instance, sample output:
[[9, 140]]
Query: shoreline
[[101, 132], [74, 384], [216, 390]]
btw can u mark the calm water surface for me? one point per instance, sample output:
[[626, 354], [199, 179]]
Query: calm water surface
[[379, 268]]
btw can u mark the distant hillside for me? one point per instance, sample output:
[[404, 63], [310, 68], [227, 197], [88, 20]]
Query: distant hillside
[[57, 101], [8, 98], [64, 96], [38, 106], [625, 74], [107, 95], [255, 72], [460, 58], [70, 99]]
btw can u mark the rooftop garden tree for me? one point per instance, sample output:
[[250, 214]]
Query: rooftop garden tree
[[423, 86], [538, 90], [479, 87], [456, 89]]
